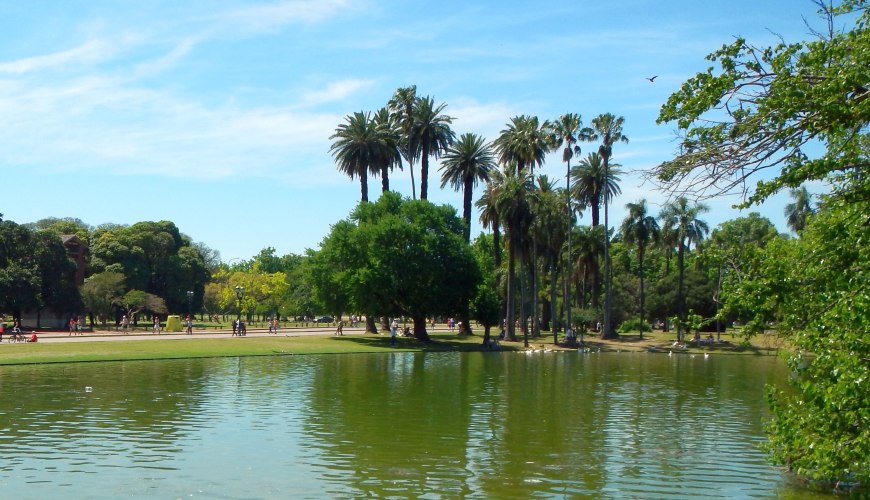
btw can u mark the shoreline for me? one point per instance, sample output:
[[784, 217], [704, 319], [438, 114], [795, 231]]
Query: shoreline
[[107, 345]]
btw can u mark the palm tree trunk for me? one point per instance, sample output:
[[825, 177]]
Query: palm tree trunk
[[424, 172], [640, 263], [413, 187], [385, 179], [533, 274], [496, 243], [364, 187], [681, 313], [509, 296], [553, 268], [466, 206]]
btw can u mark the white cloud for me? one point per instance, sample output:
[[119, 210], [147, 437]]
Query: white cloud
[[335, 91], [89, 52], [271, 16]]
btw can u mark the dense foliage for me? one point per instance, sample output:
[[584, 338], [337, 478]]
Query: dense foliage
[[35, 272], [818, 289], [763, 108], [396, 257]]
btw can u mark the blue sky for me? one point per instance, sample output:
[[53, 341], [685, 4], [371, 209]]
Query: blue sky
[[216, 114]]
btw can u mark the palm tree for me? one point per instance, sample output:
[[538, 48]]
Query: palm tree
[[489, 217], [608, 129], [589, 246], [465, 163], [512, 203], [797, 212], [355, 145], [640, 229], [525, 142], [566, 132], [402, 107], [590, 185], [388, 154], [432, 130], [681, 219], [550, 228]]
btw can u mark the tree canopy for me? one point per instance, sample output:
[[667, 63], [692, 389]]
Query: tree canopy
[[396, 257], [763, 108], [800, 109]]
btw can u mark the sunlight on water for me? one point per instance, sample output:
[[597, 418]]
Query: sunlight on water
[[421, 425]]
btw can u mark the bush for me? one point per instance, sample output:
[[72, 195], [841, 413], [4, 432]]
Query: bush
[[633, 325]]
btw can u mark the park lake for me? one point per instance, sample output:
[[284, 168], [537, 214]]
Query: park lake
[[416, 425]]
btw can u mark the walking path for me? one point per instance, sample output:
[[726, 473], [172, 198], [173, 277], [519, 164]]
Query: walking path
[[111, 335]]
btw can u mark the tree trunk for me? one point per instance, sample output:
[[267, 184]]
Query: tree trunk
[[371, 327], [424, 171], [681, 306], [364, 187], [468, 191], [420, 329], [640, 263], [553, 269], [533, 274], [509, 296], [496, 244]]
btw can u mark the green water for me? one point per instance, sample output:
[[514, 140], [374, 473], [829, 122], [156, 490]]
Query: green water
[[476, 425]]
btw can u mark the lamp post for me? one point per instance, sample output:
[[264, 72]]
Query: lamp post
[[189, 324], [240, 291]]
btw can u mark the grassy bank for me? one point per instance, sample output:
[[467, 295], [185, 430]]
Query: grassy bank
[[67, 352], [187, 347]]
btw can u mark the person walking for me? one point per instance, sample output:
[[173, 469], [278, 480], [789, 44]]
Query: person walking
[[189, 324], [393, 327]]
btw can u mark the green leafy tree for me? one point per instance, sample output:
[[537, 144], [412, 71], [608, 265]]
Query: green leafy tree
[[800, 110], [815, 288], [101, 293], [758, 108], [396, 257], [135, 302], [153, 257]]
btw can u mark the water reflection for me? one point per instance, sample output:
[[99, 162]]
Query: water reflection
[[424, 425]]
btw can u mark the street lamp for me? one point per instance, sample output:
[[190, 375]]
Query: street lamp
[[240, 291], [189, 311]]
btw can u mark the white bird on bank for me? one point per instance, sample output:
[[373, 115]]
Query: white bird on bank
[[706, 355]]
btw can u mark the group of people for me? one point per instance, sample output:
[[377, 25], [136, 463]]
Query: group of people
[[75, 326], [239, 328], [273, 325], [16, 335]]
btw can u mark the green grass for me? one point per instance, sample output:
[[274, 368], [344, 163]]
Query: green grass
[[70, 352]]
